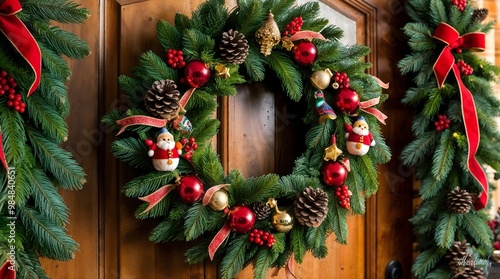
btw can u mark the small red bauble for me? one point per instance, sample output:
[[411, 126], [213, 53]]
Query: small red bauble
[[241, 219], [334, 173], [304, 53], [190, 189], [346, 100], [196, 73]]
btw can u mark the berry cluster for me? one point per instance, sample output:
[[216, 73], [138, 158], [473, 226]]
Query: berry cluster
[[260, 238], [188, 146], [340, 81], [344, 195], [442, 123], [461, 4], [294, 26], [175, 59], [464, 68], [8, 87]]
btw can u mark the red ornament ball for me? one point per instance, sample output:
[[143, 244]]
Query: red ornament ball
[[241, 219], [304, 53], [346, 100], [196, 73], [190, 189], [334, 173]]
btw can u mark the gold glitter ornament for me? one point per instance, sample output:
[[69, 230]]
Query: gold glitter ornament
[[268, 35], [282, 221], [219, 200], [321, 79]]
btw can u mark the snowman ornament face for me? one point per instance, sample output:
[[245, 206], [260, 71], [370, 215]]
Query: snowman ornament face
[[359, 138], [165, 152]]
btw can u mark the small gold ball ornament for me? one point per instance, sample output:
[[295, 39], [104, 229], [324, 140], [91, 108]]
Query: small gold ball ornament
[[321, 79], [219, 200], [282, 221]]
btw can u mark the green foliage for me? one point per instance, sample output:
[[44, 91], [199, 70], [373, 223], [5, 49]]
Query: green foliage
[[436, 226], [198, 36]]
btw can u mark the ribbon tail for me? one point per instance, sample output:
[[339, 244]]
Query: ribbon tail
[[2, 153], [140, 120], [377, 113], [472, 132], [301, 35], [156, 197], [210, 192], [218, 240], [290, 269], [381, 83]]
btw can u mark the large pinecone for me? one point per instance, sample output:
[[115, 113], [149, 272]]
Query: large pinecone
[[479, 15], [459, 201], [262, 210], [233, 47], [162, 99], [311, 207], [458, 256], [472, 272]]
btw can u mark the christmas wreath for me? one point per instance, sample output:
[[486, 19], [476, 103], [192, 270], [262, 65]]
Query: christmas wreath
[[454, 124], [269, 221], [33, 105]]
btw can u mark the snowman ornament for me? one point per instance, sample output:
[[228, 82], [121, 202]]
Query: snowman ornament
[[359, 138], [165, 152]]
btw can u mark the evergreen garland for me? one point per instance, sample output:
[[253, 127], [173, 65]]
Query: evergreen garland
[[439, 150], [199, 37], [38, 166]]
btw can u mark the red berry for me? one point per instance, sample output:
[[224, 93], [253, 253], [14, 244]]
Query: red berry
[[188, 156], [21, 110], [3, 74], [194, 146], [9, 103], [191, 140]]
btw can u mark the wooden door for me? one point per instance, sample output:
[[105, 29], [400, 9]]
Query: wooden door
[[114, 244]]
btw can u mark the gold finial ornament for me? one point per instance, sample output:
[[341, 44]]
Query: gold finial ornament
[[321, 79], [268, 35], [282, 221]]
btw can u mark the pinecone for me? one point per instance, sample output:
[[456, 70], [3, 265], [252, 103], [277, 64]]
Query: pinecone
[[479, 15], [234, 47], [472, 272], [459, 201], [458, 256], [262, 210], [311, 207], [162, 99]]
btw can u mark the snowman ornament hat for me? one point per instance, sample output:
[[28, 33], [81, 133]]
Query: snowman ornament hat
[[359, 138]]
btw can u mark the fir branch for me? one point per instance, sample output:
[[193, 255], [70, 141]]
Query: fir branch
[[442, 160], [430, 187], [249, 17], [255, 63], [355, 183], [14, 138], [63, 11], [132, 151], [254, 189], [367, 168], [50, 240], [155, 68], [265, 257], [199, 252], [337, 218], [148, 183], [57, 161], [47, 200], [416, 151], [208, 166], [438, 12], [196, 221], [297, 238], [426, 261], [55, 93], [288, 73], [56, 65], [478, 229], [168, 36], [234, 260], [316, 237], [414, 62], [445, 230], [64, 42], [47, 119], [197, 45]]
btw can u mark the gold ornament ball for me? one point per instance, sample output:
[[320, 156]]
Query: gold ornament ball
[[219, 200], [321, 79], [282, 221]]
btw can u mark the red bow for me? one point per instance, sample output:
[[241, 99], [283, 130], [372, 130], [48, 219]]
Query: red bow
[[446, 62], [20, 37]]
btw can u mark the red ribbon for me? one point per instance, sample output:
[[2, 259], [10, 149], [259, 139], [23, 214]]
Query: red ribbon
[[140, 120], [2, 153], [367, 106], [289, 269], [20, 37], [446, 63], [303, 35], [156, 197], [210, 192], [218, 240]]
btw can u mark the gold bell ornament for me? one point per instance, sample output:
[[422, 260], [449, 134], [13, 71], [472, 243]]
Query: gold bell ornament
[[282, 221], [219, 200], [268, 35], [321, 79]]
